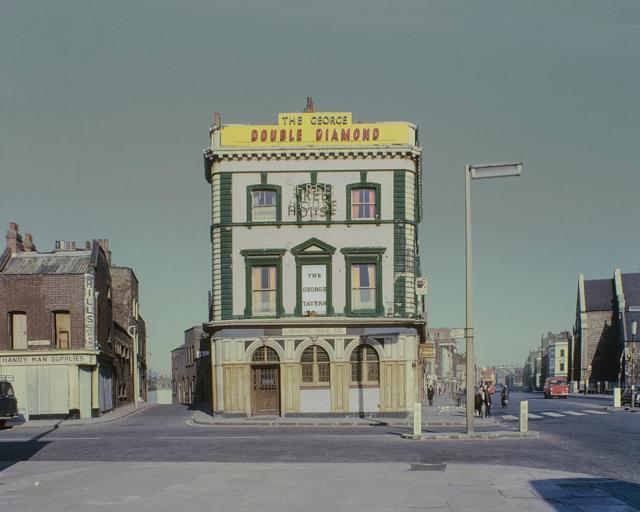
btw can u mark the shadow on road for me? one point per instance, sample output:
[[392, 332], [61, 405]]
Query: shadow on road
[[593, 493], [12, 452]]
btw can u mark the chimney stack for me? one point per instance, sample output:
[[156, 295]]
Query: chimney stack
[[104, 243], [13, 238], [217, 119], [309, 107], [28, 244]]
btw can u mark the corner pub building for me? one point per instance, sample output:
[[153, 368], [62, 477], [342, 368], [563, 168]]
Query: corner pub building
[[313, 309]]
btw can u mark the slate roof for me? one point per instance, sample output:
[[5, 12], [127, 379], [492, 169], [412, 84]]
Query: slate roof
[[631, 289], [76, 262], [598, 294]]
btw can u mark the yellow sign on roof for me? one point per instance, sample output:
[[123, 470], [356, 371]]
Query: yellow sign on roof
[[316, 129]]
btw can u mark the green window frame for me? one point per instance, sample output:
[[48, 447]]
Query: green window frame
[[266, 188], [262, 258], [323, 256], [363, 255], [378, 200]]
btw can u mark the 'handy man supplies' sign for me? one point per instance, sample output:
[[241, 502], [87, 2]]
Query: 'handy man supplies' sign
[[314, 289], [316, 129]]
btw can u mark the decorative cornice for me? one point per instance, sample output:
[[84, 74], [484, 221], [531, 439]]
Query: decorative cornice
[[316, 153]]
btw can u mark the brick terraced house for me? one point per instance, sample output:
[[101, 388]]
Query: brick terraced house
[[59, 342]]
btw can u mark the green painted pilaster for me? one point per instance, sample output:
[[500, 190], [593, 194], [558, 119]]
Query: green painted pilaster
[[226, 246]]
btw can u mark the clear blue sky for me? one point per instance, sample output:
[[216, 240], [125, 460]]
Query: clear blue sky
[[105, 108]]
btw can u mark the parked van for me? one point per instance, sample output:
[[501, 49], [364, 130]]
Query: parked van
[[556, 386], [9, 414]]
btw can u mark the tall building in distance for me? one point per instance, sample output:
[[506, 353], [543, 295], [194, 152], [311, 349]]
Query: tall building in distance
[[313, 307]]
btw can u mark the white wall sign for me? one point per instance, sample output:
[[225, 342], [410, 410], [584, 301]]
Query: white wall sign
[[89, 311], [38, 343], [314, 289], [46, 359]]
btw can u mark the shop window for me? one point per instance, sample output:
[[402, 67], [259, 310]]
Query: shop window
[[315, 366], [365, 366], [62, 326], [18, 330], [363, 202], [263, 203]]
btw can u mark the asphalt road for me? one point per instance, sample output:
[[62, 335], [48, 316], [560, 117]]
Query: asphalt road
[[573, 438]]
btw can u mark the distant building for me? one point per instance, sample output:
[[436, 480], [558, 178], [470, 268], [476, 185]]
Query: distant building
[[58, 336], [126, 313], [191, 368], [601, 349], [442, 370], [532, 371], [555, 354]]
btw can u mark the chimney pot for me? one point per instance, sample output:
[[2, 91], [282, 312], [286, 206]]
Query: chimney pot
[[309, 107], [28, 244], [13, 238]]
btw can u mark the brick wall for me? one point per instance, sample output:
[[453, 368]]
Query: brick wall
[[39, 296], [600, 346]]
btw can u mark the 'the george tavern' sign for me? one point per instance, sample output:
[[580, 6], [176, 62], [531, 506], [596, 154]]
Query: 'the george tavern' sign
[[313, 129], [314, 289]]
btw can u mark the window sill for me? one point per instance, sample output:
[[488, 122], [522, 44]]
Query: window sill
[[359, 386]]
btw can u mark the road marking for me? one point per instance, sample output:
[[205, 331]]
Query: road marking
[[208, 437], [509, 417], [43, 439], [595, 412], [535, 417], [553, 414], [47, 438], [349, 435], [574, 413]]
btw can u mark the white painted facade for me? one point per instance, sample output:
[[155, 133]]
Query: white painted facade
[[389, 240]]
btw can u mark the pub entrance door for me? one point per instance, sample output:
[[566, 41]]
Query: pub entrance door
[[265, 389]]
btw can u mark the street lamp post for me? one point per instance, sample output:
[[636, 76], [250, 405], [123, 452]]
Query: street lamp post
[[472, 172], [634, 327]]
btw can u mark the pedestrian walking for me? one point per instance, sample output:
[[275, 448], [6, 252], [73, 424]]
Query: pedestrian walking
[[487, 402], [478, 403], [430, 395]]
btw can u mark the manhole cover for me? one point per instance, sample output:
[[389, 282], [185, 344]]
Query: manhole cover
[[428, 467]]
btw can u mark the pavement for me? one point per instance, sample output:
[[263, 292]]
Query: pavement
[[443, 413], [117, 414], [64, 486]]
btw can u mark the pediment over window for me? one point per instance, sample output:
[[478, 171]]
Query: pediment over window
[[313, 246]]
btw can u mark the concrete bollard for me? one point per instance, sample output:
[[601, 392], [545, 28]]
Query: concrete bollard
[[616, 397], [417, 419], [524, 416]]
